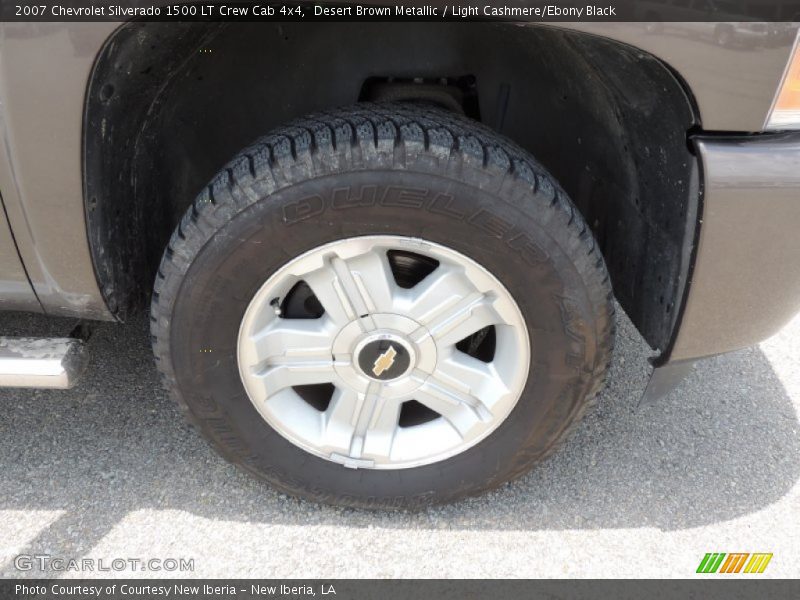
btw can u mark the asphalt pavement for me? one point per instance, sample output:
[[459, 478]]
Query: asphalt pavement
[[108, 470]]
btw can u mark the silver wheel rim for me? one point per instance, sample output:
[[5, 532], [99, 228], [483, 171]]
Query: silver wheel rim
[[380, 346]]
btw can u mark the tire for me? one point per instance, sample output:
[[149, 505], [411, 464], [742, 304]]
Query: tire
[[398, 170]]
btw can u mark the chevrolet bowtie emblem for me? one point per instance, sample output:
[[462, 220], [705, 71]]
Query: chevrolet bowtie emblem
[[384, 362]]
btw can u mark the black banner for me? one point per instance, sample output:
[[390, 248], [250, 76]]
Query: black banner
[[509, 10], [349, 589]]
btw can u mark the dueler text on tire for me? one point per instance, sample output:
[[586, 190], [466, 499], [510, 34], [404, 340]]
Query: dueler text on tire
[[383, 306]]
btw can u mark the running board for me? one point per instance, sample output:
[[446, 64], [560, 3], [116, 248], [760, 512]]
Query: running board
[[41, 362]]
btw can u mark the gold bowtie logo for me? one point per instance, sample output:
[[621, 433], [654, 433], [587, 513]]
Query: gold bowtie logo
[[384, 362]]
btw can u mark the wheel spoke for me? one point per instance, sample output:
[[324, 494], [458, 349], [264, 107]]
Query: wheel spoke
[[472, 377], [359, 426], [451, 307], [463, 411], [381, 429], [293, 339], [279, 375], [461, 319], [340, 419], [373, 277], [443, 288], [349, 289]]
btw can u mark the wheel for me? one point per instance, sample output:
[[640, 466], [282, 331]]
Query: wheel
[[385, 306]]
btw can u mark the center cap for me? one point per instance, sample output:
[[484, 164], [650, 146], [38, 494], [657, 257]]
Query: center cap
[[383, 358]]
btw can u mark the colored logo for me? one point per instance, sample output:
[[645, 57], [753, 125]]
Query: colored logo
[[735, 562], [384, 362]]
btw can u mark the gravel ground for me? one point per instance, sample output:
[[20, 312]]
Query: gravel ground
[[109, 470]]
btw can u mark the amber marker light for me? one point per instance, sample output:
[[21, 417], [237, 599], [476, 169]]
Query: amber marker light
[[785, 113]]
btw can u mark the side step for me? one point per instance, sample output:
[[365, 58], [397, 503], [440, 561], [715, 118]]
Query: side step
[[41, 362]]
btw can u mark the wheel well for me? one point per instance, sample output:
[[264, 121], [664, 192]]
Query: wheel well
[[169, 104]]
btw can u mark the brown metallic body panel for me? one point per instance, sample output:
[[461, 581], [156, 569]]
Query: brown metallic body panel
[[746, 280], [15, 289], [43, 73]]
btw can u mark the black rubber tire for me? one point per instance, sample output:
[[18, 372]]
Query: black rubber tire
[[383, 169]]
